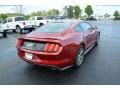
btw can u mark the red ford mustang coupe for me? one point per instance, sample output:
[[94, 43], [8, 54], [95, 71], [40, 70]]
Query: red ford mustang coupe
[[58, 45]]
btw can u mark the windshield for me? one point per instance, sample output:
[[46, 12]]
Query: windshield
[[53, 27]]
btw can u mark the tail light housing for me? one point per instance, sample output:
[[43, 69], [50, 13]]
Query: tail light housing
[[19, 43], [49, 47], [40, 46]]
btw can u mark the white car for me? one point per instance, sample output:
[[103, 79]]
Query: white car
[[17, 24], [3, 32], [38, 20]]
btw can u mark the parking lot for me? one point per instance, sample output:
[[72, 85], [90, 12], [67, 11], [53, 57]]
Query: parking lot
[[101, 66]]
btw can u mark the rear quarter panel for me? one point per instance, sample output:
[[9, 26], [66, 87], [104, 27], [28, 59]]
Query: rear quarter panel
[[70, 44]]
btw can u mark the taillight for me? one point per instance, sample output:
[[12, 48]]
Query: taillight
[[52, 47], [19, 42], [23, 23]]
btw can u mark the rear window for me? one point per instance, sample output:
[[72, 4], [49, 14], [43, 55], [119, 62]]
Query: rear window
[[40, 18], [53, 27], [19, 19]]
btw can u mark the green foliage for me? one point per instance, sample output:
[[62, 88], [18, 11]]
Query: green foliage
[[77, 12], [65, 11], [88, 10], [26, 17], [3, 16], [116, 14], [70, 11], [53, 12], [43, 13]]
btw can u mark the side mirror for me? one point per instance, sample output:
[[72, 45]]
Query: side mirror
[[94, 27]]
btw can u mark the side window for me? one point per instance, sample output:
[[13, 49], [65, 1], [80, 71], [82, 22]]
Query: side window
[[9, 20], [40, 18], [33, 18], [78, 28], [5, 21], [85, 26], [19, 19]]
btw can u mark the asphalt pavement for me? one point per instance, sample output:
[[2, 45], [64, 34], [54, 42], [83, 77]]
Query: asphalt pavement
[[101, 66]]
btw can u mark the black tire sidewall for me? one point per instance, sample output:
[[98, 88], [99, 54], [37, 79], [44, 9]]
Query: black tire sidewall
[[98, 37], [20, 30], [4, 34], [41, 24], [75, 63]]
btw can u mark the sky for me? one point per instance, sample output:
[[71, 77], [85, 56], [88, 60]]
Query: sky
[[35, 5]]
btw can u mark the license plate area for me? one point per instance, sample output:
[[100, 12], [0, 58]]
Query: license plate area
[[28, 56]]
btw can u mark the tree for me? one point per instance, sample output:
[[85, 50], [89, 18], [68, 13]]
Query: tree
[[53, 12], [116, 14], [65, 11], [77, 11], [57, 12], [3, 16], [33, 14], [26, 17], [70, 11], [43, 13], [88, 10]]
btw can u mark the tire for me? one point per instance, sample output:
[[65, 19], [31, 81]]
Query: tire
[[30, 30], [18, 29], [5, 34], [98, 39], [41, 24], [14, 31], [79, 57]]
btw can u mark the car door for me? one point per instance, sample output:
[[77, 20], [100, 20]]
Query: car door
[[4, 26], [9, 24], [40, 20], [32, 21], [88, 34]]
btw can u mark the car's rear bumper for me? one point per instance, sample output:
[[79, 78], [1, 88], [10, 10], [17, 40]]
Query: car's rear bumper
[[60, 65], [59, 61]]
